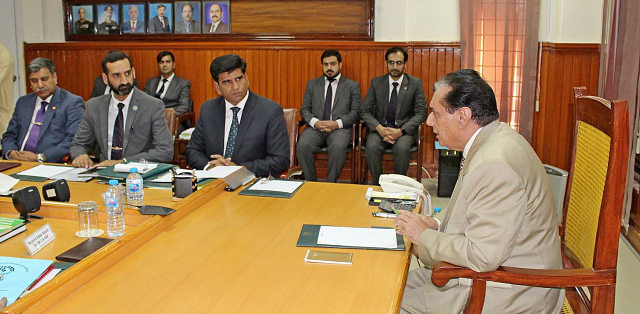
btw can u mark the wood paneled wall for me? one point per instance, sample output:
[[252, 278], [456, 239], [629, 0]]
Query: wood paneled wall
[[562, 66], [276, 70]]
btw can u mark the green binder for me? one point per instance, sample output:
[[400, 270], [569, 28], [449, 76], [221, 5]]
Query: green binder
[[110, 174], [309, 238], [248, 191], [28, 178]]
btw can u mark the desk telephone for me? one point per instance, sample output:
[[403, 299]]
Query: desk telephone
[[396, 183]]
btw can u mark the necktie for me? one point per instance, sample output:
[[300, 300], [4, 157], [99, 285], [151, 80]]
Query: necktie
[[118, 135], [164, 81], [213, 28], [327, 101], [461, 163], [187, 26], [32, 141], [393, 104], [133, 27], [233, 132], [162, 22]]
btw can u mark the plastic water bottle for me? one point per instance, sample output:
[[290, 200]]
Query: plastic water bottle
[[135, 193], [114, 201]]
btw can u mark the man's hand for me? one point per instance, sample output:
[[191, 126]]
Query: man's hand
[[412, 226], [23, 155], [3, 303], [393, 134], [326, 126], [218, 160], [109, 162], [82, 161]]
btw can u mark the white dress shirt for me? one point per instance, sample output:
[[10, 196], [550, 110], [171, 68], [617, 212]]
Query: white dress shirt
[[113, 113], [391, 81], [33, 116], [228, 116], [334, 86], [166, 85]]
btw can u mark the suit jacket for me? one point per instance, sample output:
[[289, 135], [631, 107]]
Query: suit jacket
[[155, 26], [194, 28], [59, 125], [222, 28], [177, 95], [412, 104], [126, 27], [346, 103], [146, 134], [262, 143], [501, 213]]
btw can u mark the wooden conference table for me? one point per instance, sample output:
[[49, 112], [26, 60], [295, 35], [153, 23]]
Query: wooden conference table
[[221, 252]]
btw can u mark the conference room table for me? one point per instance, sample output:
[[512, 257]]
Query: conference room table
[[221, 252]]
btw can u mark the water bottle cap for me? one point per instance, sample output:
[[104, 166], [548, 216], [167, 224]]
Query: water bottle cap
[[437, 209], [113, 182], [133, 170]]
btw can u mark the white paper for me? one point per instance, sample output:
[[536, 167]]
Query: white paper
[[72, 175], [214, 173], [276, 185], [142, 168], [358, 237], [7, 182], [52, 273], [45, 171]]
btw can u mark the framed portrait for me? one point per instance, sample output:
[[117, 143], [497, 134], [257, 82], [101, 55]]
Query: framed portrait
[[133, 19], [108, 19], [82, 19], [160, 18], [188, 17], [216, 17]]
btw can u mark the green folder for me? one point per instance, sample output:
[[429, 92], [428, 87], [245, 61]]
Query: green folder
[[28, 178], [248, 191], [110, 174], [309, 238]]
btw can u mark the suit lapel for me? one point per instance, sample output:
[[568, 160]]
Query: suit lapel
[[26, 118], [171, 87], [218, 125], [154, 86], [247, 117], [320, 95], [103, 120], [131, 116], [339, 91], [402, 92], [384, 86], [48, 115]]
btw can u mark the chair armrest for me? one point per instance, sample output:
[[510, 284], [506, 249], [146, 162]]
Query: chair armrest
[[292, 171], [187, 116]]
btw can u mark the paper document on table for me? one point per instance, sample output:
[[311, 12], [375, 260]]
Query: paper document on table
[[142, 167], [218, 172], [45, 171], [276, 186], [72, 175], [358, 237], [7, 182]]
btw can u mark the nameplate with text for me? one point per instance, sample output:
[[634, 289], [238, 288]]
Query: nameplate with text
[[39, 239]]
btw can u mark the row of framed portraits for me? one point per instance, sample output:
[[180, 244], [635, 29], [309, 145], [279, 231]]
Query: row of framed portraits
[[177, 17]]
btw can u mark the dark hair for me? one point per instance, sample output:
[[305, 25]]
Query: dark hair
[[161, 6], [162, 54], [38, 63], [469, 89], [186, 4], [112, 57], [394, 50], [331, 53], [226, 63], [108, 7]]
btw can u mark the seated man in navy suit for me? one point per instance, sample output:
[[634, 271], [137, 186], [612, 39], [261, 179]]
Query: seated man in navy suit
[[45, 121], [239, 127]]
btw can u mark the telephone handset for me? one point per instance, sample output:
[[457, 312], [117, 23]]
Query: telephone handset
[[397, 183]]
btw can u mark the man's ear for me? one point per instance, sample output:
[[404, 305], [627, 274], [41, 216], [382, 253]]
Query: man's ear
[[464, 116], [105, 79], [217, 87]]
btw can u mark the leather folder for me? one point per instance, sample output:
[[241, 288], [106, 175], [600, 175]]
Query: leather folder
[[83, 250]]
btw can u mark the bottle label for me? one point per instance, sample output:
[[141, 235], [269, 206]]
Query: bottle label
[[111, 202], [134, 187]]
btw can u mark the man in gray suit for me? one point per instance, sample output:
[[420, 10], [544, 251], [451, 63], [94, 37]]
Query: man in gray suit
[[393, 110], [173, 90], [159, 23], [216, 25], [133, 25], [240, 127], [126, 124], [330, 108], [188, 25], [501, 212]]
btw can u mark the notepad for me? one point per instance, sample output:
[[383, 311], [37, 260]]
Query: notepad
[[314, 256], [142, 167], [45, 171], [358, 237], [284, 186]]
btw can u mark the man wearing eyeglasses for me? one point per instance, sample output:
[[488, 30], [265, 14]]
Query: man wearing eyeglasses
[[394, 108]]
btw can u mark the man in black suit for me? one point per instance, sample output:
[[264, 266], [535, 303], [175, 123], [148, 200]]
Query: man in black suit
[[160, 23], [393, 110], [173, 90], [240, 127], [330, 108]]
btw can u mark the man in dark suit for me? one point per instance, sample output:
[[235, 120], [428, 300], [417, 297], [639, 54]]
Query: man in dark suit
[[217, 25], [393, 110], [160, 23], [239, 128], [127, 124], [188, 25], [45, 121], [173, 90], [133, 25], [330, 108]]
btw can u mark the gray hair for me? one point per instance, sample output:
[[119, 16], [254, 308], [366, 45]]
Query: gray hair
[[38, 63]]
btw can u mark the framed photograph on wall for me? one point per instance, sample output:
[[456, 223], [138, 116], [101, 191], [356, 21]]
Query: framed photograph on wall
[[216, 17], [108, 19], [160, 18], [188, 17], [82, 19], [133, 19]]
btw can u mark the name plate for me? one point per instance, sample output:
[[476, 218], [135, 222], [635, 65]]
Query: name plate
[[39, 239]]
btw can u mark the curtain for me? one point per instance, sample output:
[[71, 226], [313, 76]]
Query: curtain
[[499, 39], [620, 72]]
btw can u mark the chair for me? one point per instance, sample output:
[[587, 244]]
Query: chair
[[172, 121], [416, 153], [187, 119], [290, 116], [591, 222]]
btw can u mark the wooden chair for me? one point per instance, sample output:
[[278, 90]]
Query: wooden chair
[[290, 117], [416, 153], [592, 211], [172, 121]]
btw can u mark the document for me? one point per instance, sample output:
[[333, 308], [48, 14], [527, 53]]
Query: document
[[7, 182], [142, 167], [358, 237], [45, 171], [286, 186], [73, 175], [213, 173], [18, 274]]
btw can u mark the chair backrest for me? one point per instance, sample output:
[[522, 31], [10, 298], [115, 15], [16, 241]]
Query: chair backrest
[[172, 121], [290, 117]]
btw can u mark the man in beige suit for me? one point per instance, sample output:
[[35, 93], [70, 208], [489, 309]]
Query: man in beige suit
[[501, 212]]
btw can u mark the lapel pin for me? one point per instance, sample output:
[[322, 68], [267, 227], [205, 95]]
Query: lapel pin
[[405, 87], [53, 108], [135, 108]]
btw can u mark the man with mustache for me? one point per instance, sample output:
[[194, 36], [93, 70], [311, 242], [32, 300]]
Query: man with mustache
[[126, 124], [393, 110], [45, 121], [188, 25], [216, 25], [160, 23], [330, 107]]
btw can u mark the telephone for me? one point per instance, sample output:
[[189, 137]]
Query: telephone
[[399, 184]]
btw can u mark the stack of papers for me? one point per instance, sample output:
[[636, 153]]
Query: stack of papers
[[284, 186], [45, 171], [358, 237], [213, 173], [142, 167], [7, 182], [186, 134]]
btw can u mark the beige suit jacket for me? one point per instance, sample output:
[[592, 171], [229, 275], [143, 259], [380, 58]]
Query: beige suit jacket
[[501, 213]]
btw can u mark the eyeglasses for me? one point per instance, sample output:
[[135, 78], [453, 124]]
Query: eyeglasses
[[398, 63]]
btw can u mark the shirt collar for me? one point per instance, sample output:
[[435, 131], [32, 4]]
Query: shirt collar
[[48, 100], [470, 142], [399, 81], [240, 105], [169, 79], [126, 101]]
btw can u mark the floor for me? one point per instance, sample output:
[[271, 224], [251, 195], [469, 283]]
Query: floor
[[628, 280]]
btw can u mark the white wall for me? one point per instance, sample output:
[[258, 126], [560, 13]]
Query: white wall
[[417, 20], [571, 21]]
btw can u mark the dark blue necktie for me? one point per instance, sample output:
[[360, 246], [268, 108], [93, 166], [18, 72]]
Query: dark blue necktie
[[393, 104], [233, 132], [326, 115], [118, 135]]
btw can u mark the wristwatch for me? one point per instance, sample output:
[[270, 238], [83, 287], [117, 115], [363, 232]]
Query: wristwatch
[[40, 158]]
